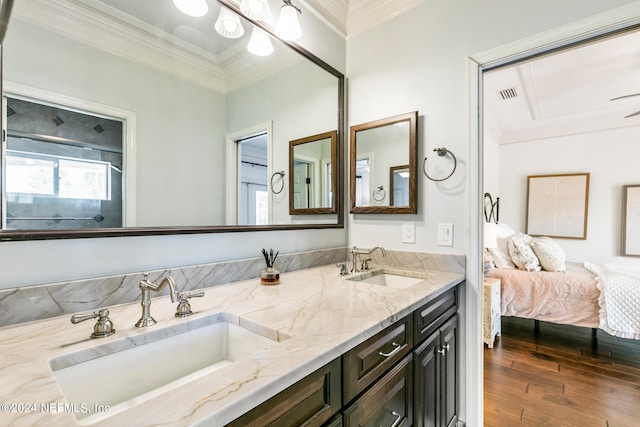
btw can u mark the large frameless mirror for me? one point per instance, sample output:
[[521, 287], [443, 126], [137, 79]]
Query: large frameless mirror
[[383, 165], [133, 118]]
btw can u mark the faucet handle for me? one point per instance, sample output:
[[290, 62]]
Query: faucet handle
[[343, 268], [365, 264], [184, 308], [102, 328]]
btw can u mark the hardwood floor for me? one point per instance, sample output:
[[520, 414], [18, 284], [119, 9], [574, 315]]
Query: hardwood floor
[[559, 378]]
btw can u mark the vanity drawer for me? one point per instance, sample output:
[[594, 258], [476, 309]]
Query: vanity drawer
[[388, 402], [366, 362], [431, 315], [311, 401]]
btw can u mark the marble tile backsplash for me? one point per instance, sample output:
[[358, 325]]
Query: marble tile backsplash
[[29, 303]]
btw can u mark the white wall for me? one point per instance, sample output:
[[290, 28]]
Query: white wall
[[416, 62], [611, 158]]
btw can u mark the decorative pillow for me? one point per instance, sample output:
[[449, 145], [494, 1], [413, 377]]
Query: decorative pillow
[[521, 253], [550, 254], [500, 254]]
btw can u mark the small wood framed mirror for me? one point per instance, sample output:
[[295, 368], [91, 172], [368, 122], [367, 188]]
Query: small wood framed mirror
[[312, 174], [383, 168]]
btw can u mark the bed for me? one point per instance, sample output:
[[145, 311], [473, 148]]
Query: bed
[[569, 297], [537, 283]]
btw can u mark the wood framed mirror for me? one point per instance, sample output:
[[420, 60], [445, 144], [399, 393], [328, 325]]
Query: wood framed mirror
[[312, 174], [383, 168]]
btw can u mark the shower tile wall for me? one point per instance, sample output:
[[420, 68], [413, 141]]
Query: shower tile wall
[[100, 138]]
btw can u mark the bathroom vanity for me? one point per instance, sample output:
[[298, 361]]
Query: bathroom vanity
[[318, 347]]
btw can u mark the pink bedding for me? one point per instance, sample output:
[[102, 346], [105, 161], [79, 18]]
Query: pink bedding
[[569, 298]]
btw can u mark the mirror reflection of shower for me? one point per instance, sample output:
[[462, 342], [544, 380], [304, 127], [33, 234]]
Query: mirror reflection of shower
[[62, 168], [253, 198]]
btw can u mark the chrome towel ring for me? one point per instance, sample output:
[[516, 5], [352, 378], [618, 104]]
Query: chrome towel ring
[[441, 152], [281, 174]]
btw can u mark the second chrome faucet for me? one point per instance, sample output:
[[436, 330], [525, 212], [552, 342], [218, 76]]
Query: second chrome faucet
[[365, 266]]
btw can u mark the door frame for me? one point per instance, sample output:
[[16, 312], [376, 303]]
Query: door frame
[[472, 363], [233, 169]]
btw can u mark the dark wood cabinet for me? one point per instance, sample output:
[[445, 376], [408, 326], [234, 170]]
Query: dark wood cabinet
[[311, 401], [405, 375], [435, 360], [389, 401]]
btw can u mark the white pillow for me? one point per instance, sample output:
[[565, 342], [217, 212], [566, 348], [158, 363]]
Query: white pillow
[[503, 231], [500, 254], [550, 254], [521, 253]]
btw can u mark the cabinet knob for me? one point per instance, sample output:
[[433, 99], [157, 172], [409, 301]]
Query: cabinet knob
[[443, 351]]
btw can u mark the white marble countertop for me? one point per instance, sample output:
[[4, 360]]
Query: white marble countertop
[[317, 314]]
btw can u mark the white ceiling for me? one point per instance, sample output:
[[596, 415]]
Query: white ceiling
[[568, 92]]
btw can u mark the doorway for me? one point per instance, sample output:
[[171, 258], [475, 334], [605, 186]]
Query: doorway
[[598, 25]]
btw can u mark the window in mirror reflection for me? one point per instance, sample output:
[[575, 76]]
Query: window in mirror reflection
[[253, 203], [399, 179], [63, 168]]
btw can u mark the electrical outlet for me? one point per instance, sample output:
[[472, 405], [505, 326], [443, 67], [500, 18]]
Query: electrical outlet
[[408, 232], [445, 234]]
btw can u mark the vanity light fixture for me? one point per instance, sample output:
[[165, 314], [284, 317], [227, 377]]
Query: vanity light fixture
[[228, 24], [288, 27], [195, 8], [255, 9], [260, 43]]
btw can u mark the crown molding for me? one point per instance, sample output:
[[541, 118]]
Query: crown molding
[[365, 14], [109, 30], [332, 12]]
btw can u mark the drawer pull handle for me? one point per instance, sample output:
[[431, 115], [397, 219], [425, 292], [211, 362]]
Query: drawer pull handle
[[392, 352], [396, 422]]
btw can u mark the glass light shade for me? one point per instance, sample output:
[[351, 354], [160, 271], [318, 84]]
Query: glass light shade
[[489, 238], [195, 8], [260, 43], [288, 27], [228, 24], [255, 9]]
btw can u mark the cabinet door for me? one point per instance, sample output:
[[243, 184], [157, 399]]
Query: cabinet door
[[427, 393], [449, 378], [311, 401], [389, 401], [436, 378]]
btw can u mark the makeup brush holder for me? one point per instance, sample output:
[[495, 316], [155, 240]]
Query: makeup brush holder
[[270, 276]]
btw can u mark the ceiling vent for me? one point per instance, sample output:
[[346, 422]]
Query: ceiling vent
[[508, 94]]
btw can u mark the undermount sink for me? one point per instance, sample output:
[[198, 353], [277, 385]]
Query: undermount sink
[[112, 377], [391, 278]]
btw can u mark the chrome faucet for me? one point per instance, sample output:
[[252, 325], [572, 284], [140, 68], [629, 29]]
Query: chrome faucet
[[365, 266], [146, 287]]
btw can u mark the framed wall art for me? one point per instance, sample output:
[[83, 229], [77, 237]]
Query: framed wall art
[[631, 220], [557, 205]]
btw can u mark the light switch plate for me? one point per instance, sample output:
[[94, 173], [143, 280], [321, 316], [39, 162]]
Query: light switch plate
[[408, 232], [445, 234]]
